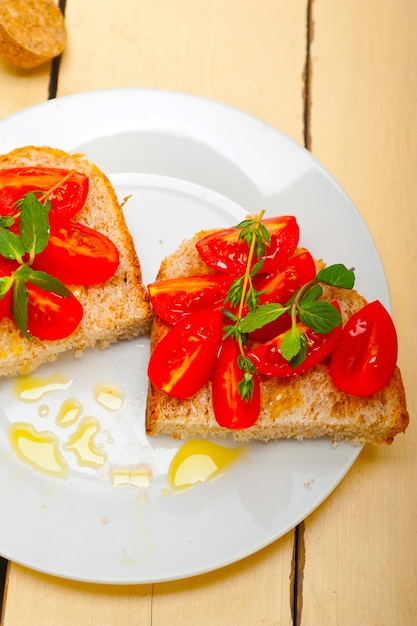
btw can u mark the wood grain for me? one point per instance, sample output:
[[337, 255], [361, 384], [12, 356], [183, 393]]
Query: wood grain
[[246, 54], [21, 89], [361, 545], [253, 591]]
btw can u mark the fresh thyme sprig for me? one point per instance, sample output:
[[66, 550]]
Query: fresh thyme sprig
[[242, 294], [305, 306]]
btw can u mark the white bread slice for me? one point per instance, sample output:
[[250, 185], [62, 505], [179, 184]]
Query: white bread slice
[[307, 406], [114, 310]]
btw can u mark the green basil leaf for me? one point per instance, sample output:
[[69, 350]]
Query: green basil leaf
[[230, 315], [6, 221], [229, 331], [291, 343], [6, 282], [246, 364], [234, 293], [312, 294], [262, 315], [245, 224], [20, 301], [337, 276], [320, 316], [246, 387], [301, 355], [34, 224], [257, 267], [252, 298], [259, 245], [265, 233], [10, 245], [42, 280]]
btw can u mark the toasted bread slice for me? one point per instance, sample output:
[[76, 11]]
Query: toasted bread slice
[[116, 309], [307, 406]]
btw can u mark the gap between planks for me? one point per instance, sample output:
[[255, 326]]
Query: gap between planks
[[298, 560]]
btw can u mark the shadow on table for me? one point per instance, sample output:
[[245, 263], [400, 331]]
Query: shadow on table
[[3, 567]]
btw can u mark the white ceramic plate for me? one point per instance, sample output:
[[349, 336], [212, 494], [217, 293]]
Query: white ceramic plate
[[188, 164]]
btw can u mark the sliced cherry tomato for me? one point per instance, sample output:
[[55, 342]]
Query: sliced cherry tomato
[[364, 361], [6, 269], [51, 316], [280, 286], [223, 251], [183, 360], [268, 359], [78, 255], [230, 409], [176, 297], [66, 200]]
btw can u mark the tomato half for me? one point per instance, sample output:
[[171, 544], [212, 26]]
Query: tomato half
[[6, 269], [230, 410], [223, 251], [269, 361], [50, 316], [280, 286], [364, 361], [66, 200], [183, 360], [172, 299], [78, 255]]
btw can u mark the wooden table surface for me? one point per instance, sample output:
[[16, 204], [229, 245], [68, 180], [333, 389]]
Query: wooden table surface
[[340, 78]]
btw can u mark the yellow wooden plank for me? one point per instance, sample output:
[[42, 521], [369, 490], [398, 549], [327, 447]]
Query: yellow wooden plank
[[21, 89], [245, 53], [252, 592], [39, 600], [361, 545]]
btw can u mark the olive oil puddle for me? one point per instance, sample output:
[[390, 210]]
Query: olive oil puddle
[[39, 449], [196, 461], [31, 388]]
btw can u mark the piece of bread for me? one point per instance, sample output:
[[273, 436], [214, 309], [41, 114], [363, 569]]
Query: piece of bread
[[114, 310], [307, 406], [31, 33]]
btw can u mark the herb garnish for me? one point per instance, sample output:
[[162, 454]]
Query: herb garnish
[[32, 211], [305, 305]]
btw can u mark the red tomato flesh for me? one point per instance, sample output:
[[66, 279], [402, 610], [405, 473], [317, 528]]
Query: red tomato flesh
[[230, 410], [183, 360], [6, 269], [364, 361], [223, 251], [78, 255], [66, 200], [173, 298], [280, 286], [269, 361], [50, 316]]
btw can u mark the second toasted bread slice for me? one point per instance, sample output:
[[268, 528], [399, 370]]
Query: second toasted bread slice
[[306, 406]]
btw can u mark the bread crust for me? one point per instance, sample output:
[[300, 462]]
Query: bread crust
[[306, 406], [114, 310]]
